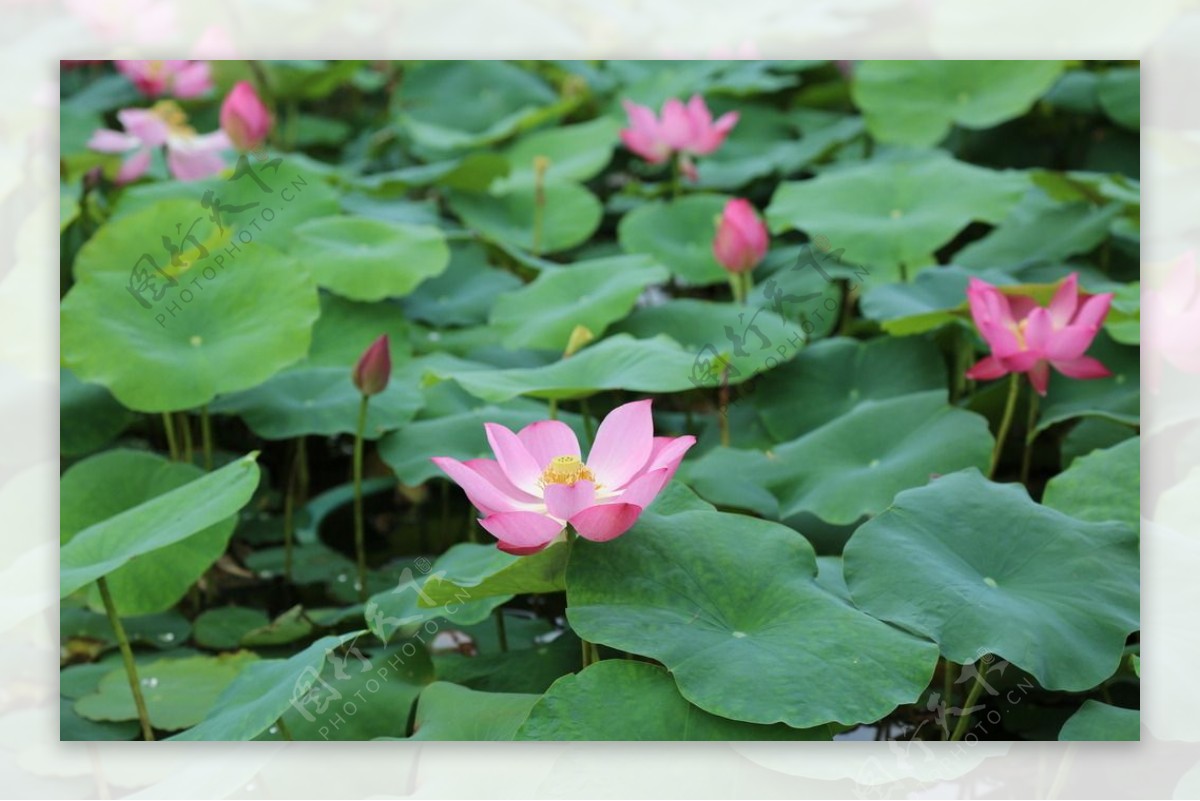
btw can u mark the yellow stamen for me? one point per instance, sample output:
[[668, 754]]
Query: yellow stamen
[[176, 118], [1019, 330], [565, 470]]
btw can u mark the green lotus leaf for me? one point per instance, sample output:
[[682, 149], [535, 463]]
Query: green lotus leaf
[[224, 627], [1095, 721], [575, 152], [917, 102], [365, 259], [319, 400], [210, 334], [679, 234], [463, 294], [621, 700], [1051, 594], [263, 691], [178, 692], [1117, 398], [653, 592], [1103, 485], [592, 293], [570, 215], [850, 467], [163, 520], [450, 712], [1119, 93], [894, 213], [471, 571], [116, 481], [89, 416]]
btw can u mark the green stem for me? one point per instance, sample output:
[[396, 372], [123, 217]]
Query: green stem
[[501, 632], [360, 550], [185, 423], [965, 719], [554, 408], [1014, 387], [723, 407], [948, 671], [169, 428], [135, 684], [747, 285], [1030, 434], [735, 287], [289, 509], [206, 438], [676, 178]]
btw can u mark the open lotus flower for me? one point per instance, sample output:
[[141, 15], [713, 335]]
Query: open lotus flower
[[687, 130], [741, 241], [181, 79], [1028, 338], [190, 156], [539, 483]]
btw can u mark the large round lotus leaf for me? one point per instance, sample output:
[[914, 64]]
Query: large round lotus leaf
[[464, 293], [89, 416], [678, 234], [521, 670], [365, 259], [451, 712], [895, 212], [617, 362], [458, 434], [319, 400], [1096, 721], [836, 376], [916, 102], [723, 599], [221, 329], [591, 293], [346, 328], [1116, 398], [570, 215], [178, 692], [262, 201], [852, 466], [115, 481], [575, 152], [1103, 485], [401, 609], [1053, 595], [617, 699], [495, 98]]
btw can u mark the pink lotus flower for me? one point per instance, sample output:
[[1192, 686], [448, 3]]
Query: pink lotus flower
[[741, 240], [1171, 328], [244, 117], [182, 79], [686, 130], [1028, 338], [374, 368], [190, 156], [538, 482]]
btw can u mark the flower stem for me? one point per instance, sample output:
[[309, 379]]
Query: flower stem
[[1030, 434], [290, 499], [554, 408], [676, 177], [206, 437], [169, 428], [360, 551], [185, 424], [501, 632], [723, 407], [948, 671], [965, 719], [747, 284], [135, 684], [1014, 387]]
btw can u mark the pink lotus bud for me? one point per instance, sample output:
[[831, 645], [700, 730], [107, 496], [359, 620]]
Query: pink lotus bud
[[373, 370], [741, 241], [244, 117]]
